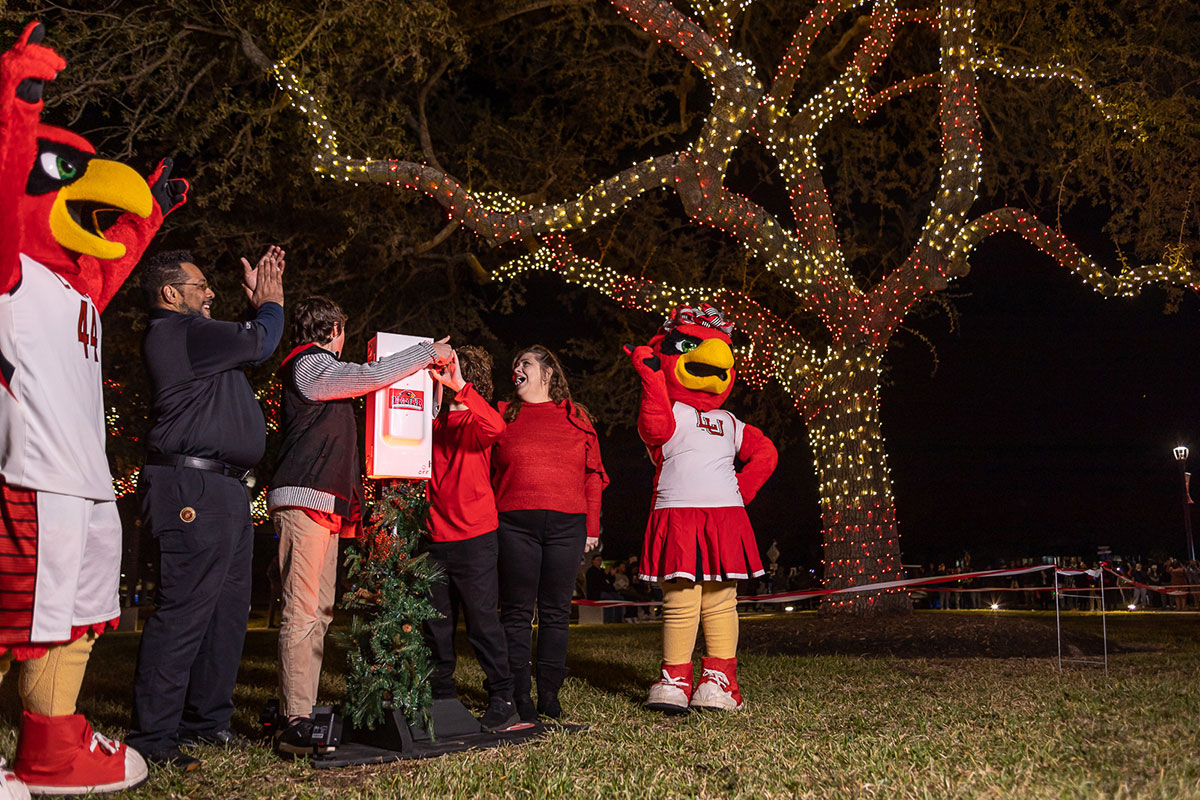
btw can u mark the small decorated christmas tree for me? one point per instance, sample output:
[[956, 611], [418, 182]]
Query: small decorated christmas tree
[[388, 658]]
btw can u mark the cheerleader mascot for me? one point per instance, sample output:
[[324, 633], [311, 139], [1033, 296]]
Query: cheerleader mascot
[[60, 536], [698, 542]]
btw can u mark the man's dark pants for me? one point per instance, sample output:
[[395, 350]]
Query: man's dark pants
[[192, 645], [540, 553], [470, 584]]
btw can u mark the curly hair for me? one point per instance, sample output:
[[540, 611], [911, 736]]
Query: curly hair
[[162, 269], [559, 390], [475, 364], [314, 319]]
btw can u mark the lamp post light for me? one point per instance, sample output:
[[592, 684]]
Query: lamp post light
[[1181, 454]]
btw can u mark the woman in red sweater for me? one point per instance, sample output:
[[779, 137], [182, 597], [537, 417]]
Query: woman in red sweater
[[548, 478], [462, 534]]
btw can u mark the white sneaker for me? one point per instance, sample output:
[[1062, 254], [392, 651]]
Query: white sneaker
[[11, 787], [713, 694]]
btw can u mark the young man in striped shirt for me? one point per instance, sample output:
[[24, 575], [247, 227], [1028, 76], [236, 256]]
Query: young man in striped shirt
[[314, 495]]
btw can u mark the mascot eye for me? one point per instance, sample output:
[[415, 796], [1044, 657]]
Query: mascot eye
[[65, 168], [678, 343], [57, 167]]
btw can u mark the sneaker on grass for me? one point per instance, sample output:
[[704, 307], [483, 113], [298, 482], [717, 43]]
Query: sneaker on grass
[[500, 714], [62, 755], [297, 739], [11, 787], [672, 692], [172, 758], [718, 689]]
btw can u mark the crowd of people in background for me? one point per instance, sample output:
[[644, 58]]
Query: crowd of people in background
[[1163, 585]]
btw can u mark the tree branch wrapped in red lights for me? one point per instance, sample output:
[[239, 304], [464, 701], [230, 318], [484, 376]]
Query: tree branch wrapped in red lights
[[833, 373]]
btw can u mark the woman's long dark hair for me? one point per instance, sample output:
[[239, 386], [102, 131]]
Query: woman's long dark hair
[[559, 390]]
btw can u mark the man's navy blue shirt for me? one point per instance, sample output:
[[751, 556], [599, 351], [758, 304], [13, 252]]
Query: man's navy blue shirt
[[203, 403]]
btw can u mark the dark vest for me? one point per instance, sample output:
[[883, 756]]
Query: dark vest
[[320, 443]]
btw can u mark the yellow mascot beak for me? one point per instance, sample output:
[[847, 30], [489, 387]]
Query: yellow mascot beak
[[707, 368], [105, 186]]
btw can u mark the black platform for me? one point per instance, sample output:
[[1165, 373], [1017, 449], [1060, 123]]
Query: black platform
[[454, 730]]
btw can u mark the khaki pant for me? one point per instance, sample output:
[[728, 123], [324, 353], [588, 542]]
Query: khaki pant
[[308, 570]]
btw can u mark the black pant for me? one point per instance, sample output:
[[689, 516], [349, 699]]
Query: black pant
[[192, 645], [470, 584], [540, 553]]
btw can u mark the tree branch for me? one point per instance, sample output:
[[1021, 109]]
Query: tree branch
[[1128, 283], [776, 349]]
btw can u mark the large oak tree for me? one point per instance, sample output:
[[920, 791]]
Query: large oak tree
[[826, 169]]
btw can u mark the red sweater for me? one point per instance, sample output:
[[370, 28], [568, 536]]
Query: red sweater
[[461, 503], [549, 459]]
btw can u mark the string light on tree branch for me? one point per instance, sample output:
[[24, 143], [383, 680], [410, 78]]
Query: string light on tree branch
[[835, 382]]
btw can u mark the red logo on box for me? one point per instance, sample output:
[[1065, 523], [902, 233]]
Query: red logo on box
[[408, 399]]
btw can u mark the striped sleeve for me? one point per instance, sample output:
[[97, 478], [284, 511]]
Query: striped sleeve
[[321, 376], [300, 497]]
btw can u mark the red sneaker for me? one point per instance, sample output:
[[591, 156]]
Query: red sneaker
[[670, 695], [64, 756], [718, 689], [11, 787]]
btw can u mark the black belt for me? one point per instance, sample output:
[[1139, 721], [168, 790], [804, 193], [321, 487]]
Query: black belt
[[207, 464]]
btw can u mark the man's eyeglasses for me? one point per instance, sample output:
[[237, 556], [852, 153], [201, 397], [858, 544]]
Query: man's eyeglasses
[[202, 284]]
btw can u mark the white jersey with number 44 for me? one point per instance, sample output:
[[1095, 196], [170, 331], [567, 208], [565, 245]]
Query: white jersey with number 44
[[51, 396]]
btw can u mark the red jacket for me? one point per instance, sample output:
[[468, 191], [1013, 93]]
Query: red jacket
[[461, 503]]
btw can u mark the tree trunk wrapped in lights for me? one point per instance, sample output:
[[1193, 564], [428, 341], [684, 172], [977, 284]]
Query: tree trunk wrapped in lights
[[834, 378], [857, 511]]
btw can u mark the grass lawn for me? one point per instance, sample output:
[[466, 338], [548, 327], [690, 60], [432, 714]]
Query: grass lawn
[[819, 726]]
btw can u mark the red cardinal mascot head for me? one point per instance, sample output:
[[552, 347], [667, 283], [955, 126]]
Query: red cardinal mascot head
[[64, 194], [697, 356], [67, 190]]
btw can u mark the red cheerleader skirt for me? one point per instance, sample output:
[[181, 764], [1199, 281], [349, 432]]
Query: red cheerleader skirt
[[699, 544]]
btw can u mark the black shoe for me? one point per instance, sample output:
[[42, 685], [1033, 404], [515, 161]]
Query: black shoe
[[171, 758], [525, 709], [297, 738], [226, 738], [500, 714], [547, 704]]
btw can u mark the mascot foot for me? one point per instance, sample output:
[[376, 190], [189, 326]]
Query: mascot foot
[[64, 756], [718, 689], [671, 693], [11, 787]]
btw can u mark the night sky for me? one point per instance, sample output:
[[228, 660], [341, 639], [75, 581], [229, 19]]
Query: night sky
[[1049, 425], [1047, 428]]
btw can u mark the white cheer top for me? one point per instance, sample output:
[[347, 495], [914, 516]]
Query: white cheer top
[[696, 465]]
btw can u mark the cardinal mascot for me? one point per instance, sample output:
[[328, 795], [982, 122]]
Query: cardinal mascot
[[60, 536], [699, 543]]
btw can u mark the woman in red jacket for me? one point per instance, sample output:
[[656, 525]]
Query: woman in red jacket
[[462, 534], [548, 477]]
